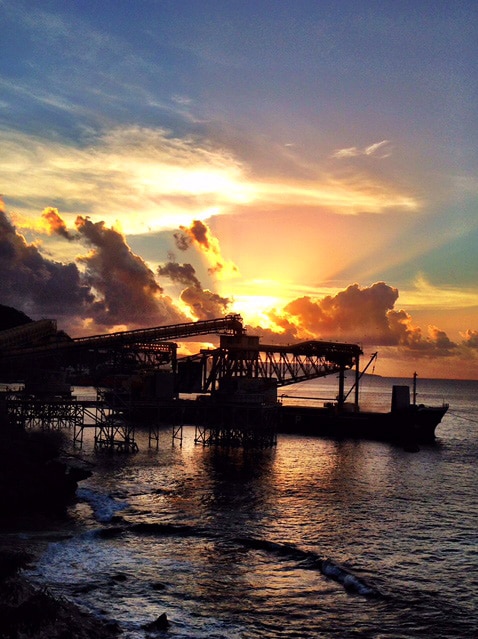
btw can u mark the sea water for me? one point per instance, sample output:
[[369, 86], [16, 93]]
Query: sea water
[[313, 538]]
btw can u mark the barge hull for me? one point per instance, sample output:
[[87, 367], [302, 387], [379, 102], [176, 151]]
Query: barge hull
[[417, 423]]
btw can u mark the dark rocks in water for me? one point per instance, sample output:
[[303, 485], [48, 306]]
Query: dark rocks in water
[[11, 562], [161, 623], [33, 476], [410, 446], [111, 532], [157, 585], [30, 612], [85, 589], [119, 577], [156, 528]]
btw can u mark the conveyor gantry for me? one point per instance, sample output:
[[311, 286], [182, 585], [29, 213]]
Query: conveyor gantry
[[149, 347], [239, 355], [231, 324], [244, 356]]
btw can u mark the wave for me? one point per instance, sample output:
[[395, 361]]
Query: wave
[[104, 506], [306, 559], [350, 582], [312, 561]]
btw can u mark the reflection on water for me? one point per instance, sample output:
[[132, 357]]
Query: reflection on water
[[235, 543]]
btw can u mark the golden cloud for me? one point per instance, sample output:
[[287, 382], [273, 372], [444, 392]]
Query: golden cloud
[[152, 180], [199, 234]]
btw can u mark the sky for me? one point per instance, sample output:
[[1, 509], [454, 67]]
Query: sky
[[310, 165]]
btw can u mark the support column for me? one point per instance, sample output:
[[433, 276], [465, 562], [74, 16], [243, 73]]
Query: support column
[[357, 383], [340, 397]]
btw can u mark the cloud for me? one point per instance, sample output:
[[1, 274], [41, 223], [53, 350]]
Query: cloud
[[203, 303], [169, 180], [355, 312], [153, 180], [36, 285], [366, 315], [199, 235], [182, 273], [288, 332], [114, 287], [440, 340], [127, 291], [183, 242], [110, 286], [55, 224], [379, 150], [470, 339]]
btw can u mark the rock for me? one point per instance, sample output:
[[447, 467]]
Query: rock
[[119, 577], [161, 623], [33, 476], [30, 612]]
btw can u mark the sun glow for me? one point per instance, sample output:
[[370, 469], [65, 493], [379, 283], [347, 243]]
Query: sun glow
[[253, 308]]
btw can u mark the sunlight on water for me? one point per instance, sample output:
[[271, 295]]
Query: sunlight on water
[[312, 537]]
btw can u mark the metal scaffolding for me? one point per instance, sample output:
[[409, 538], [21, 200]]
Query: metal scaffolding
[[52, 414], [233, 425], [144, 380]]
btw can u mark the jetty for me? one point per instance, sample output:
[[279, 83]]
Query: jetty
[[141, 382]]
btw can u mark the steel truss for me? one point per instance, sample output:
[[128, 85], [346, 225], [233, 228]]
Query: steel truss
[[235, 425], [167, 413], [52, 414], [141, 349], [288, 365], [111, 419], [114, 433], [114, 430]]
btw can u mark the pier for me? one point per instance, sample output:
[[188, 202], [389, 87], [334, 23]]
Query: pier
[[114, 426], [140, 380]]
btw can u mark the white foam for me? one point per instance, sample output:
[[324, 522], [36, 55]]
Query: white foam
[[104, 506], [351, 582]]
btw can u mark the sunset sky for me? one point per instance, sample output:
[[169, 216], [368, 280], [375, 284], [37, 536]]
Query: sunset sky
[[309, 164]]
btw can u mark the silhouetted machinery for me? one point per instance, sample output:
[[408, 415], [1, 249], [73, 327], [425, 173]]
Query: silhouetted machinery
[[139, 379], [144, 362]]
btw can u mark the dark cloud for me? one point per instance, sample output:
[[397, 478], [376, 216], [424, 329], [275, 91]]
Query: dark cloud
[[34, 284], [364, 315], [183, 242], [440, 340], [127, 292], [357, 313], [181, 273], [116, 287], [288, 331], [199, 232], [203, 303], [470, 339], [200, 235]]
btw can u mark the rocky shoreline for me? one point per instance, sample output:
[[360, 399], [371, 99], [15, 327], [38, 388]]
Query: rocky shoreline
[[31, 612], [37, 485]]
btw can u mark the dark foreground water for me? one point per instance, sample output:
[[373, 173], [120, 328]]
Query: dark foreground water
[[315, 538]]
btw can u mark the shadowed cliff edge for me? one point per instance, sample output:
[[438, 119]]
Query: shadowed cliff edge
[[35, 483]]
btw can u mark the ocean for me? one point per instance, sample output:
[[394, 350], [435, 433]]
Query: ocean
[[313, 538]]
